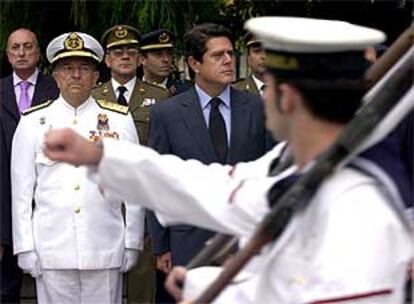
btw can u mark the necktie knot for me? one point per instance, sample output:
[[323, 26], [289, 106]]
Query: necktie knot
[[215, 102], [24, 85], [121, 97], [122, 90]]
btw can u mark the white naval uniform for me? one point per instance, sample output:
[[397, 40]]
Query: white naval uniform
[[72, 226], [348, 246]]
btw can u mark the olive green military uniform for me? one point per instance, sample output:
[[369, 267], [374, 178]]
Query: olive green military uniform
[[140, 279], [143, 96], [246, 84]]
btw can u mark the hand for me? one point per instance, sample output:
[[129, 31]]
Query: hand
[[130, 259], [175, 282], [164, 262], [29, 263], [68, 146]]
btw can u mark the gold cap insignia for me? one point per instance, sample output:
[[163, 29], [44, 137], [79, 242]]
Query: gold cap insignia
[[164, 38], [121, 32], [73, 42]]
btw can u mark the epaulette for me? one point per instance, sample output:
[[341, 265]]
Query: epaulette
[[97, 85], [111, 106], [239, 80], [155, 85], [38, 107]]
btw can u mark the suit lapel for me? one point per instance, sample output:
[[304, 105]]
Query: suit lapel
[[9, 102], [240, 117], [42, 89], [194, 120]]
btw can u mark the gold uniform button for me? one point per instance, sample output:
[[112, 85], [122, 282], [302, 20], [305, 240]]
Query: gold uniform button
[[77, 210], [75, 121], [77, 187]]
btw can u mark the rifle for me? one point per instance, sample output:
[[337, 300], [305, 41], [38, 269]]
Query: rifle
[[380, 101], [220, 242]]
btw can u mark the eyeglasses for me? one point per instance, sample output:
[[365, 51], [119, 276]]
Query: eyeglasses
[[70, 69], [25, 47], [132, 52]]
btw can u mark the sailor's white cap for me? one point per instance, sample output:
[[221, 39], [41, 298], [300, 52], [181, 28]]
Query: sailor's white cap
[[295, 45], [74, 44]]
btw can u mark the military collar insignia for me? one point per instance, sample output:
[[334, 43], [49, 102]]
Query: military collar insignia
[[74, 42]]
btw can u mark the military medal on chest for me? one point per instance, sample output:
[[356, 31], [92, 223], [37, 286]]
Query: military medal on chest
[[102, 129]]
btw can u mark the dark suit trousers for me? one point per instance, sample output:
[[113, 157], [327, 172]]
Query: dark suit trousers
[[11, 278]]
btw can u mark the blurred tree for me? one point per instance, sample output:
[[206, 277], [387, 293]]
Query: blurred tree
[[51, 18]]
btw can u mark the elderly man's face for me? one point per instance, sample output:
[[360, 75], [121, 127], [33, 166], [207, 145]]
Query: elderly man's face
[[75, 78], [123, 61], [23, 51]]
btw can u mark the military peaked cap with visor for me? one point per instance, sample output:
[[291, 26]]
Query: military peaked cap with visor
[[314, 48], [159, 39], [75, 44], [120, 35], [250, 39]]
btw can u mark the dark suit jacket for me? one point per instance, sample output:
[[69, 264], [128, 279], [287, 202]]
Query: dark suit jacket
[[177, 126], [45, 89]]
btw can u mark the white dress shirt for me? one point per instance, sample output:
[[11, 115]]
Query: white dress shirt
[[30, 90], [129, 87]]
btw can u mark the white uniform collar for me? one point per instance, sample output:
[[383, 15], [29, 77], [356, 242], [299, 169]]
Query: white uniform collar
[[79, 109]]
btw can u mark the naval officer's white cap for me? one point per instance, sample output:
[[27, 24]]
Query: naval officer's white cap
[[74, 44], [316, 48]]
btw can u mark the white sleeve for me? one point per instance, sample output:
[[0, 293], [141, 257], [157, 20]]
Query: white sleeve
[[135, 214], [185, 191], [23, 180]]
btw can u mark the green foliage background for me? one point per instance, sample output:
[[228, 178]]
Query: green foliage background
[[51, 18]]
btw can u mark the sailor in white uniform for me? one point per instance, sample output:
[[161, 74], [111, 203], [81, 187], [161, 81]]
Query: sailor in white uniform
[[352, 244], [73, 240]]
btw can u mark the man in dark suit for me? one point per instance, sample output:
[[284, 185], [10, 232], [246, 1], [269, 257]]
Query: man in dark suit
[[24, 88], [211, 122]]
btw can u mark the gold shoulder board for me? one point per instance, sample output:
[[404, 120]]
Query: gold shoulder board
[[107, 105], [38, 107]]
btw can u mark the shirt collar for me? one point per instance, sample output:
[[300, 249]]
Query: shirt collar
[[32, 79], [129, 85], [204, 98], [258, 82]]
